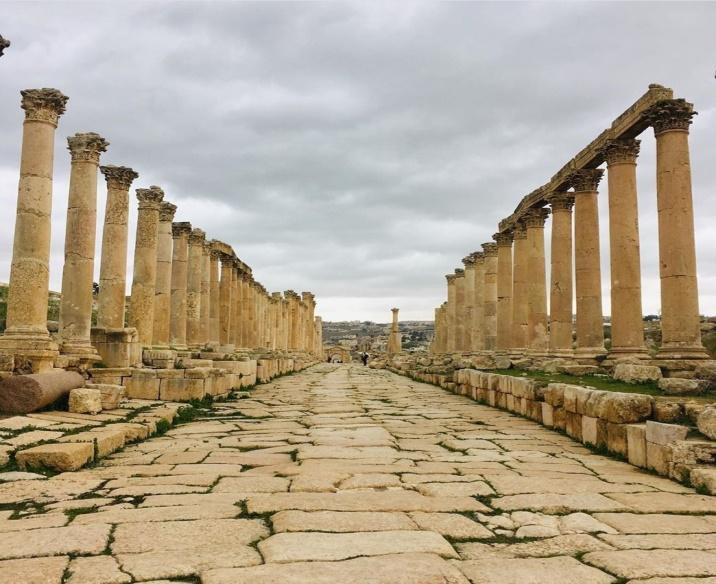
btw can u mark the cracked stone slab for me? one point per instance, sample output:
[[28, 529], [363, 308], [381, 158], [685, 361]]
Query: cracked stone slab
[[341, 522], [555, 570], [654, 563]]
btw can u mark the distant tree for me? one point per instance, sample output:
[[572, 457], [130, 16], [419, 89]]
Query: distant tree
[[651, 317]]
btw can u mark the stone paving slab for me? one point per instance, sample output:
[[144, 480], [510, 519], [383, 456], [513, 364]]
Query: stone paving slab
[[345, 474]]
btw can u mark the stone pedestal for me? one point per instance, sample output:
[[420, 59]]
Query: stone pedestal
[[117, 347], [180, 263], [80, 234], [587, 270], [537, 334], [490, 316], [519, 290], [627, 326], [163, 286], [113, 266], [26, 335], [503, 339], [680, 331], [560, 325], [193, 294], [141, 309]]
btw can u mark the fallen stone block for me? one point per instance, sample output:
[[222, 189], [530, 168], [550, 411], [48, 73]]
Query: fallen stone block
[[706, 422], [110, 394], [85, 400], [704, 478], [680, 386], [22, 394], [62, 457], [632, 373], [624, 408]]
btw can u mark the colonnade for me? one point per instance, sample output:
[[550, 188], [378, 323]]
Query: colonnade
[[500, 301], [187, 292]]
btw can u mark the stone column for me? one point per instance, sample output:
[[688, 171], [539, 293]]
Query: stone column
[[226, 302], [80, 234], [519, 289], [560, 304], [587, 270], [252, 340], [246, 309], [680, 329], [141, 304], [537, 337], [503, 340], [214, 296], [478, 314], [163, 287], [285, 315], [460, 310], [469, 304], [205, 313], [113, 265], [627, 326], [490, 304], [319, 338], [26, 334], [239, 314], [180, 267], [394, 340], [310, 301], [193, 288], [451, 315]]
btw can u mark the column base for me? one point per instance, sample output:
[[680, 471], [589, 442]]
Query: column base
[[37, 348], [617, 353], [81, 351], [561, 353], [589, 355], [118, 347], [675, 359]]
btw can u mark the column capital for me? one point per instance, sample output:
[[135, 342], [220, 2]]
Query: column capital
[[468, 261], [150, 198], [670, 114], [489, 249], [166, 211], [308, 296], [459, 273], [181, 228], [479, 257], [623, 150], [586, 180], [86, 147], [118, 177], [43, 105], [206, 247], [561, 201], [4, 44], [520, 230], [503, 238], [536, 217], [450, 278], [197, 237]]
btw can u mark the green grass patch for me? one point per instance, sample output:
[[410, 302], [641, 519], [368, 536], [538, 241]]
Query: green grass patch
[[162, 427], [603, 382]]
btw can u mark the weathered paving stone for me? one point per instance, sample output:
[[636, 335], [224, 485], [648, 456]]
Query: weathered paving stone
[[558, 503], [658, 523], [689, 541], [97, 570], [341, 522], [300, 547], [33, 571], [555, 570], [80, 539], [451, 525], [654, 563], [251, 485]]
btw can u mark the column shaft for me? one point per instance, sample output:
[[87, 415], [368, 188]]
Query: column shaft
[[460, 310], [490, 304], [205, 314], [519, 289], [193, 288], [451, 315], [180, 266], [560, 304], [163, 287], [214, 298], [537, 337], [478, 313], [503, 340], [226, 300]]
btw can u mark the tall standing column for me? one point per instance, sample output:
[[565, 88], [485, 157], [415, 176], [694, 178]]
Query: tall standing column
[[238, 312], [26, 333], [180, 268], [141, 304], [560, 304], [394, 340], [226, 300], [163, 287], [246, 309], [319, 338], [80, 234], [113, 265], [503, 340], [205, 312], [587, 270], [451, 315], [627, 326], [680, 329], [537, 336], [519, 289], [478, 314], [193, 288], [214, 296], [460, 310], [490, 304], [310, 301], [469, 304]]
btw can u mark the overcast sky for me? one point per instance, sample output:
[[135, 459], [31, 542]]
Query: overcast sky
[[357, 150]]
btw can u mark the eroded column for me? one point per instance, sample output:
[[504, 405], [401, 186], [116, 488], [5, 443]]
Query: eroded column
[[459, 310], [193, 288], [478, 314], [226, 301], [141, 304], [587, 270], [469, 304], [451, 315], [26, 334], [205, 312], [180, 268], [113, 264], [80, 234], [680, 329], [490, 292], [214, 296], [537, 333], [519, 289], [560, 304], [163, 287], [503, 340]]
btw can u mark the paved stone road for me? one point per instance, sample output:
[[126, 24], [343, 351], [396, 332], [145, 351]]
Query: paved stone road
[[343, 474]]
